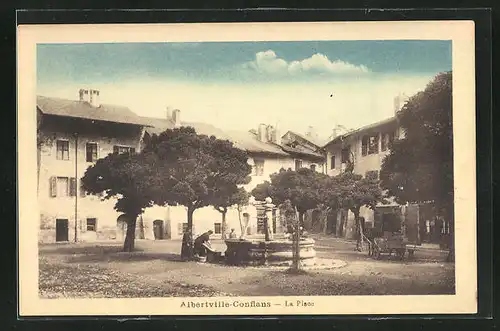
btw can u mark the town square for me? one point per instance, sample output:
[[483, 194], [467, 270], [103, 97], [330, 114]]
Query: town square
[[245, 169]]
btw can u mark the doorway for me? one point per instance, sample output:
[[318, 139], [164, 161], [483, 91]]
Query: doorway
[[61, 230], [158, 229]]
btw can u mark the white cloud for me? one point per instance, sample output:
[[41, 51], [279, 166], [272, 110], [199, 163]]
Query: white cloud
[[268, 62]]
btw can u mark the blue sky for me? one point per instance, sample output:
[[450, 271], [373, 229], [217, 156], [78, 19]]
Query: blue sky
[[346, 82]]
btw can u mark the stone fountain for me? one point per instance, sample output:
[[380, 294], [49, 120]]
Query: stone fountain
[[270, 250]]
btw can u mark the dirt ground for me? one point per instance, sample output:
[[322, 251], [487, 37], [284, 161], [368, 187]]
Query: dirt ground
[[155, 270]]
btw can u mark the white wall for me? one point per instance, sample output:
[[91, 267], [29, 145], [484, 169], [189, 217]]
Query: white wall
[[52, 208]]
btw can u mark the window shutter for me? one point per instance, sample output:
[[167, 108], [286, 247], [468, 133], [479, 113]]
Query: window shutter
[[82, 190], [53, 186], [88, 153], [72, 186]]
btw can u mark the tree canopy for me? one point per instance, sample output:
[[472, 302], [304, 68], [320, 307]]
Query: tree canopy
[[356, 191], [128, 178], [301, 188], [419, 167], [196, 170]]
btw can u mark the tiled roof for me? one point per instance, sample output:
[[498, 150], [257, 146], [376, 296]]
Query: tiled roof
[[81, 109], [312, 140], [362, 129], [243, 140], [302, 151]]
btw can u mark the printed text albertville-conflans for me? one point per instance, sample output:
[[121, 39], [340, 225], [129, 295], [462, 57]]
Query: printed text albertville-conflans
[[225, 304]]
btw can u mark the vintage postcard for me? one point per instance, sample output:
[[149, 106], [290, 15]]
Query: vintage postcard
[[247, 169]]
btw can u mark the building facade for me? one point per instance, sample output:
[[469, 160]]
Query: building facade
[[71, 136], [74, 134], [267, 155], [366, 148]]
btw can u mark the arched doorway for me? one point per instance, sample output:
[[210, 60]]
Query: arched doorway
[[158, 229]]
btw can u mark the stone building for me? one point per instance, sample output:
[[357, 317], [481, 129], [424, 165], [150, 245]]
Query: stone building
[[365, 148], [267, 155], [73, 134]]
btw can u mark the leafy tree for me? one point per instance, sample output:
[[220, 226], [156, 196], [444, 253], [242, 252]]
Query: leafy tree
[[194, 170], [419, 167], [329, 202], [224, 200], [356, 191], [300, 187], [127, 178], [296, 190]]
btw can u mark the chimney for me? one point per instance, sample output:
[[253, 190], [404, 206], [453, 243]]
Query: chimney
[[334, 133], [274, 135], [169, 113], [397, 104], [84, 95], [277, 136], [176, 117], [262, 132], [94, 98], [269, 133]]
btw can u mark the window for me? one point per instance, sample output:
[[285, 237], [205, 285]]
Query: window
[[387, 140], [332, 162], [313, 167], [384, 142], [91, 224], [91, 152], [258, 167], [62, 186], [62, 150], [298, 164], [217, 228], [373, 145], [373, 174], [345, 154], [369, 145], [123, 150]]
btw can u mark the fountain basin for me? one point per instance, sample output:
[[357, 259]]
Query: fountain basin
[[274, 252]]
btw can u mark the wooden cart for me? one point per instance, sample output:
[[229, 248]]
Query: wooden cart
[[390, 243]]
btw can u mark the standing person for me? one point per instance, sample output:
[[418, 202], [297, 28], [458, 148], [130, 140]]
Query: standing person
[[232, 234], [199, 249], [187, 245]]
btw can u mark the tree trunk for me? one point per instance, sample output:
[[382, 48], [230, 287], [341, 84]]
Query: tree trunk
[[129, 244], [296, 242], [324, 215], [359, 230], [190, 252], [223, 225]]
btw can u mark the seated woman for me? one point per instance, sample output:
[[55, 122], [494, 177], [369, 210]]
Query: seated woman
[[200, 242]]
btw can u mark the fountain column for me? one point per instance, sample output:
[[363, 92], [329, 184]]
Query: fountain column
[[269, 219]]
